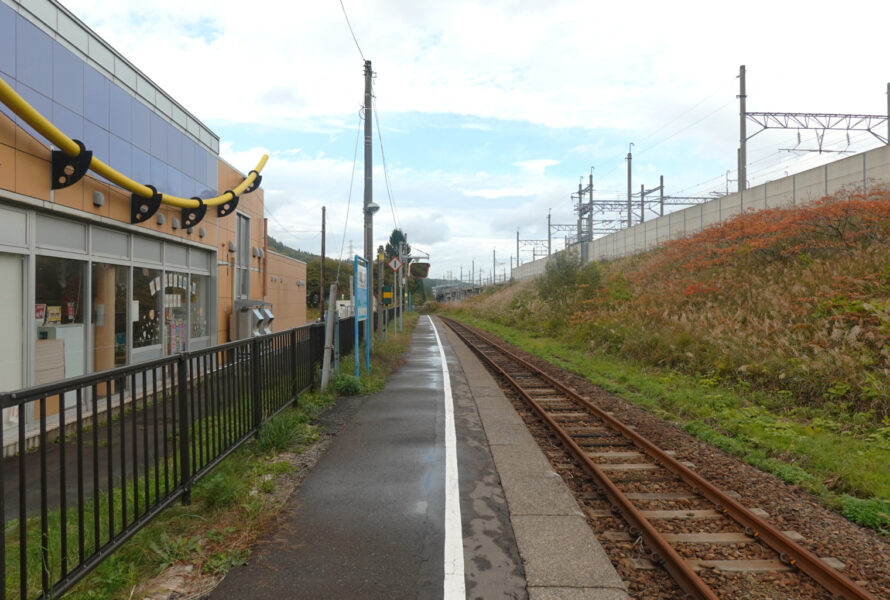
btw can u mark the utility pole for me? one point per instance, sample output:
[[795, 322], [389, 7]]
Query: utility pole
[[661, 195], [888, 113], [590, 209], [473, 272], [642, 203], [494, 263], [743, 136], [548, 235], [321, 271], [580, 202], [629, 189], [369, 207], [517, 248]]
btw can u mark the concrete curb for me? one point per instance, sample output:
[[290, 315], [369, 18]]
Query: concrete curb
[[561, 556]]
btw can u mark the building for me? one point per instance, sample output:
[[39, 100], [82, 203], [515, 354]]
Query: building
[[84, 289]]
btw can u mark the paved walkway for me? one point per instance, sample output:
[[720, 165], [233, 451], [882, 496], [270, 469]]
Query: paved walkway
[[372, 519]]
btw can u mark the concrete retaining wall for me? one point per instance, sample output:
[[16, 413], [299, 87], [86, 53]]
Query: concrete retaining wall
[[857, 171]]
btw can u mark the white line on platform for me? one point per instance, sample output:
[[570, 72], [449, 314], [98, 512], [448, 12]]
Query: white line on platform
[[454, 541]]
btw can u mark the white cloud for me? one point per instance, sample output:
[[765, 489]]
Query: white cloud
[[536, 166]]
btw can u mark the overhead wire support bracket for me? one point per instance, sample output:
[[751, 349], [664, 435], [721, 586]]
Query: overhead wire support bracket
[[818, 121]]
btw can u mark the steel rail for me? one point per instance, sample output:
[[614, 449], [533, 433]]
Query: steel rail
[[792, 553], [44, 127]]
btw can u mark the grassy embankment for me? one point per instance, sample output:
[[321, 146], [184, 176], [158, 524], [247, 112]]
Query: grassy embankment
[[232, 506], [768, 336]]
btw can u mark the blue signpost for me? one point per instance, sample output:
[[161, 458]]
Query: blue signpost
[[362, 302]]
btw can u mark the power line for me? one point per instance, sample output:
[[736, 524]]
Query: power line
[[354, 39], [679, 131], [683, 114], [349, 197], [392, 206]]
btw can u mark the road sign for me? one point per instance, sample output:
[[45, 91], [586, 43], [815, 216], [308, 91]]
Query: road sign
[[395, 264], [387, 295]]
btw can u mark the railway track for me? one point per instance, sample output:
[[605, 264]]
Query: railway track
[[710, 544]]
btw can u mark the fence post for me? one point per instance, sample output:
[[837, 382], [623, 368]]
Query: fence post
[[185, 461], [256, 384], [295, 387]]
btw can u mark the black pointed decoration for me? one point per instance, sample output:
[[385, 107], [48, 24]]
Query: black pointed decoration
[[227, 208], [67, 170], [142, 209], [193, 216]]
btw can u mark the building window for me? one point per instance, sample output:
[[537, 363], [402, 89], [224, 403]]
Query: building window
[[147, 293], [242, 258], [176, 307], [198, 306], [110, 286], [11, 329], [59, 312]]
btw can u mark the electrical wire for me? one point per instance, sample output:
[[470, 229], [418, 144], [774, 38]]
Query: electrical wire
[[682, 114], [679, 131], [349, 197], [354, 39], [392, 206]]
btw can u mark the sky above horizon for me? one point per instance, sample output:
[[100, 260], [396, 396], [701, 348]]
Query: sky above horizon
[[490, 112]]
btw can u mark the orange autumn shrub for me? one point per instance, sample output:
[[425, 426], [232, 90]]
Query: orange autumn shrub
[[794, 300]]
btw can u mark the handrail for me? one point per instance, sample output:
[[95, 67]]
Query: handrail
[[42, 125]]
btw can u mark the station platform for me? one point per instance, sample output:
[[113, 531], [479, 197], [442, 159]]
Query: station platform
[[433, 488]]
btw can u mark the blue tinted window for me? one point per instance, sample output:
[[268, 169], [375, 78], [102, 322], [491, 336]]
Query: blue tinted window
[[199, 172], [141, 166], [141, 128], [67, 79], [7, 41], [158, 136], [211, 175], [70, 123], [33, 57], [41, 104], [174, 147], [159, 175], [95, 96], [174, 180], [120, 113], [120, 155], [188, 157], [96, 139]]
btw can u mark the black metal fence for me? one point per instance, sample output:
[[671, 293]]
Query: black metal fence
[[110, 450], [113, 449]]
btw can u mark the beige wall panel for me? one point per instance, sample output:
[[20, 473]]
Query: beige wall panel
[[31, 176], [288, 299], [845, 173], [7, 167], [877, 165], [71, 196], [7, 130], [730, 206], [810, 185], [780, 193], [753, 198]]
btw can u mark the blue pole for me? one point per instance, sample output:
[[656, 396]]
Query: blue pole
[[368, 329]]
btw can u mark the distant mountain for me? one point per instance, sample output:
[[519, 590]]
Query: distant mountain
[[281, 248]]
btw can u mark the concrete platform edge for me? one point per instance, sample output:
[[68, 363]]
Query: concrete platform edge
[[557, 554]]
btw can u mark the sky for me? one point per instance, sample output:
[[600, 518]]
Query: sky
[[487, 114]]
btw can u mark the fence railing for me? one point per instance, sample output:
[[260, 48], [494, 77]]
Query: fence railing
[[128, 442]]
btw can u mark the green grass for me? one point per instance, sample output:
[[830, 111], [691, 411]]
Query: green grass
[[841, 458]]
